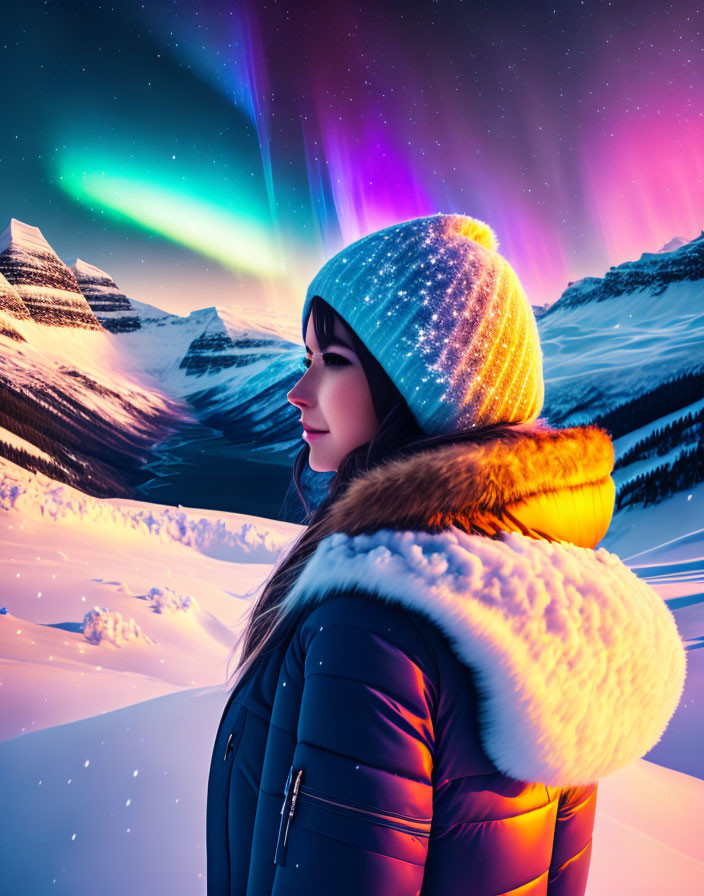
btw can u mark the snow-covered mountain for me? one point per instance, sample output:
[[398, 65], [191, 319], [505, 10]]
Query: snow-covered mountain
[[71, 403], [47, 287], [11, 306], [675, 243], [655, 272], [111, 307], [231, 367], [105, 392], [626, 350], [608, 340], [539, 310]]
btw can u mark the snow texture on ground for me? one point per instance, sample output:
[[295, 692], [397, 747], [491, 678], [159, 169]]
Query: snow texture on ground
[[183, 578], [104, 749], [118, 801]]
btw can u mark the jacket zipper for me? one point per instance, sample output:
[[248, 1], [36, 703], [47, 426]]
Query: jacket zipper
[[417, 826], [388, 819], [287, 809]]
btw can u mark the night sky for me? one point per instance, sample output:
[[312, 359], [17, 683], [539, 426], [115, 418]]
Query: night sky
[[218, 152]]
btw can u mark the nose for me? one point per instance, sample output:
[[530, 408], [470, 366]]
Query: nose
[[299, 396]]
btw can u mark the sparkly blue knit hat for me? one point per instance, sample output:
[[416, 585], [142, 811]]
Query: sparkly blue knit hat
[[446, 317]]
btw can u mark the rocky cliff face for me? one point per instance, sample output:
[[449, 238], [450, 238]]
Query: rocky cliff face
[[111, 307], [654, 271], [10, 302], [219, 347], [11, 309], [46, 287]]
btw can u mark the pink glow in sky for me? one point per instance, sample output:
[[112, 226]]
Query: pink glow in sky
[[575, 129]]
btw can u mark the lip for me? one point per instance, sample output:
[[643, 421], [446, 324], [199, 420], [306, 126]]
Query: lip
[[313, 434]]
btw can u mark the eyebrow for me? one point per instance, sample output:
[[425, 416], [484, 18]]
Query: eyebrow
[[335, 341]]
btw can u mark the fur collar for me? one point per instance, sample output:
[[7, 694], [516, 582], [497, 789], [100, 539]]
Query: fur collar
[[578, 662], [477, 486]]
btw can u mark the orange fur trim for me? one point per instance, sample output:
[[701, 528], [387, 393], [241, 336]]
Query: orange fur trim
[[467, 483]]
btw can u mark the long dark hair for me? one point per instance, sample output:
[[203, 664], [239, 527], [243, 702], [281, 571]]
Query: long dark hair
[[398, 434]]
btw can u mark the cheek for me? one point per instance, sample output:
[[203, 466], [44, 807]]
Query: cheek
[[351, 407]]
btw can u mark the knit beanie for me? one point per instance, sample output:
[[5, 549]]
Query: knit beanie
[[446, 317]]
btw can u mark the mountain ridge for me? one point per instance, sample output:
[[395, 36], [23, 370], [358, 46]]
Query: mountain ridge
[[228, 369], [653, 269]]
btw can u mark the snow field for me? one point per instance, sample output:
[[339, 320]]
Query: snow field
[[105, 749], [120, 799], [180, 577]]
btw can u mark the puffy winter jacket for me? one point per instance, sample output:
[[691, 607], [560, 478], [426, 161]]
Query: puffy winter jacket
[[437, 716]]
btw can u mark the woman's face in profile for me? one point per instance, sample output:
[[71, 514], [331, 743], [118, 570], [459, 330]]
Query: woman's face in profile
[[333, 396]]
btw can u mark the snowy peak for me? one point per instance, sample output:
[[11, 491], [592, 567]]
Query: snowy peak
[[539, 310], [653, 271], [19, 234], [269, 321], [227, 340], [578, 292], [151, 314], [627, 348], [686, 247], [78, 266], [674, 244], [110, 306], [206, 317], [46, 286]]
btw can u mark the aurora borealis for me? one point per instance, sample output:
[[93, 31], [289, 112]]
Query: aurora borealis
[[217, 153]]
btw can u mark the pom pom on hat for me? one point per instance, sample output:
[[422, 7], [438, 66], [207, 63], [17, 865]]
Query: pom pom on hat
[[446, 317], [473, 229]]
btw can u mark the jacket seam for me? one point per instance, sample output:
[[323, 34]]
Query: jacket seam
[[444, 827], [494, 774], [364, 762], [391, 823], [525, 883], [360, 680], [254, 712], [314, 791], [584, 802], [431, 652], [363, 849], [374, 595], [554, 872], [281, 728]]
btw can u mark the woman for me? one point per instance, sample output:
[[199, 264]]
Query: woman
[[436, 676]]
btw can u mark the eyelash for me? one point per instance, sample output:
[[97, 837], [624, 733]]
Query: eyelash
[[335, 360]]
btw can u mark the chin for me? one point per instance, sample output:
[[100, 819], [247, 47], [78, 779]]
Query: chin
[[320, 466]]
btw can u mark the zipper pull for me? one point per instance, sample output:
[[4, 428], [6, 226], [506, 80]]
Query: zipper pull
[[293, 802], [280, 852], [227, 748], [287, 787]]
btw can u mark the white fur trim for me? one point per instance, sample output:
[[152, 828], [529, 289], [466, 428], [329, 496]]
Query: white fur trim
[[579, 662]]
